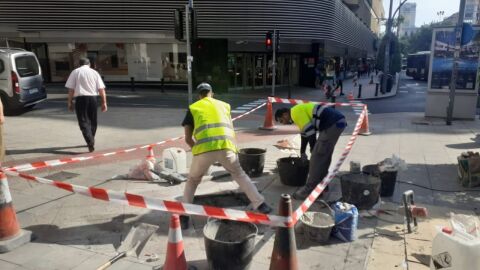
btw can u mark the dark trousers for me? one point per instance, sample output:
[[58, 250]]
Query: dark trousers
[[86, 109], [322, 153]]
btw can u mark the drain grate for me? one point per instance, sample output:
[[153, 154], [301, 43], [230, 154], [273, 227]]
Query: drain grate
[[230, 199], [62, 176]]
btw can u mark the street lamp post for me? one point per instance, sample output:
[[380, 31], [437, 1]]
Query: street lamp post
[[188, 7]]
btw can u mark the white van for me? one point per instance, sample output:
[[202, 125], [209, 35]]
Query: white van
[[21, 82]]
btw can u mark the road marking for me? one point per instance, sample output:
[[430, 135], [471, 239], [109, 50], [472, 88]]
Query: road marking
[[403, 91], [246, 107]]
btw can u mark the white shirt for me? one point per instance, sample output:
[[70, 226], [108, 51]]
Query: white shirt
[[85, 81]]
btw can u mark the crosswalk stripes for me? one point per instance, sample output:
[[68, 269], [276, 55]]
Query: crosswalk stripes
[[246, 107], [357, 110]]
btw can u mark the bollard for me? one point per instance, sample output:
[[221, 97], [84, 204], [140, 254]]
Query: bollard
[[284, 254], [162, 85], [132, 83], [359, 90], [376, 89], [333, 100]]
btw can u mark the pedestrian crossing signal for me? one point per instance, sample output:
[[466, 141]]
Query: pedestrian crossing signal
[[269, 41]]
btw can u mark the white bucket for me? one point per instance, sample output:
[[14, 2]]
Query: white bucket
[[454, 252], [175, 160]]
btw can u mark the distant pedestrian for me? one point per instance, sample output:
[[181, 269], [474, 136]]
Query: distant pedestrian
[[209, 132], [85, 85]]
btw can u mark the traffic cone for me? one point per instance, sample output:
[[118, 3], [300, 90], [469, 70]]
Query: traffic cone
[[175, 259], [364, 129], [350, 96], [151, 154], [11, 236], [268, 123], [284, 255]]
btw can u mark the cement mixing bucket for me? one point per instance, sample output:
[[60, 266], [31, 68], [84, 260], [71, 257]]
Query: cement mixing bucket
[[229, 244], [317, 226], [252, 160]]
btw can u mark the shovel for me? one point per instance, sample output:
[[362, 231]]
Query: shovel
[[135, 241]]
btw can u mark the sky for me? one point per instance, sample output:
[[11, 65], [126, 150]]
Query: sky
[[427, 9]]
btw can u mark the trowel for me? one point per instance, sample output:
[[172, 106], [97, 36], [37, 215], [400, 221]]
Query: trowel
[[134, 242]]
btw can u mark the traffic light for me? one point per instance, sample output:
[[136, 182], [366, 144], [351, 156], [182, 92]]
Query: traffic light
[[269, 41], [193, 23], [178, 23]]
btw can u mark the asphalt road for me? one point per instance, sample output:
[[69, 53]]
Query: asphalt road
[[411, 97]]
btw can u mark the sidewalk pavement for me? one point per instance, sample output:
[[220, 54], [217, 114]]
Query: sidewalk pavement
[[76, 232]]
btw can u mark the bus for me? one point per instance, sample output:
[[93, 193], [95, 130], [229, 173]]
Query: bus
[[418, 64]]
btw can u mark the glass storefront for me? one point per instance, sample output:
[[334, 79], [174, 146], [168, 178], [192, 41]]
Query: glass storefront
[[121, 61], [253, 71]]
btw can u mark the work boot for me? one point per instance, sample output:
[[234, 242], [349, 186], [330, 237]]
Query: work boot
[[184, 222], [302, 193], [264, 208]]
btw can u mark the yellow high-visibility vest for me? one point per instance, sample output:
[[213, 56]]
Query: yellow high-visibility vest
[[303, 116], [213, 126]]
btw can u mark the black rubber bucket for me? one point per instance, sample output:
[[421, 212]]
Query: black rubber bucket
[[388, 178], [252, 160], [229, 244], [360, 189], [293, 171]]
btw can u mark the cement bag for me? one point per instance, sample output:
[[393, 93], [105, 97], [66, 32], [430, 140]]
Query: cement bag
[[346, 221], [144, 170]]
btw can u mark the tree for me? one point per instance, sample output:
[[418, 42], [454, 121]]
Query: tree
[[421, 40], [395, 54]]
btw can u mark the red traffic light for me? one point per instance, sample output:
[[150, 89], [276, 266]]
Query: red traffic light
[[269, 41]]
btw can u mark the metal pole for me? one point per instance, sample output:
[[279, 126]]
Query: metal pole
[[189, 53], [274, 59], [386, 61], [453, 81]]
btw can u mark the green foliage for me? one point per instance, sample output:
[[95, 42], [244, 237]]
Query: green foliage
[[421, 40], [395, 54]]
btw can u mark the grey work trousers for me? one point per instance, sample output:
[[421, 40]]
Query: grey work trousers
[[322, 153]]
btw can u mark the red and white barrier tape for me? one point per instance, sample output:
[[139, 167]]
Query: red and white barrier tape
[[175, 207], [58, 162], [331, 174], [302, 101]]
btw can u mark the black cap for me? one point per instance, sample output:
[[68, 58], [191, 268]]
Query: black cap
[[204, 87]]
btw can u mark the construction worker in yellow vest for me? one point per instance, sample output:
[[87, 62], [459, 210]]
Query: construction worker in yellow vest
[[314, 120], [209, 132]]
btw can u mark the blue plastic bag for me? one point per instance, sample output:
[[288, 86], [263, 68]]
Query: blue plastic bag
[[346, 221]]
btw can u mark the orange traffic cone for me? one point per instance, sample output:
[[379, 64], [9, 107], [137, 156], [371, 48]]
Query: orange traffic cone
[[364, 129], [268, 123], [175, 259], [11, 236], [350, 96], [150, 155], [284, 255]]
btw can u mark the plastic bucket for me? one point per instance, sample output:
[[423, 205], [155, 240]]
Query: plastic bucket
[[293, 171], [360, 189], [229, 244], [252, 160], [388, 178], [317, 226]]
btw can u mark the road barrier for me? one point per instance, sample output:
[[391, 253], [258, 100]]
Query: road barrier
[[184, 208]]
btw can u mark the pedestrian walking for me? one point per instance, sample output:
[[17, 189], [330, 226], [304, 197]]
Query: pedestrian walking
[[312, 119], [85, 85], [209, 132]]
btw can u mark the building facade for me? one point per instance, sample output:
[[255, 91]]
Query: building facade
[[472, 11], [408, 12], [135, 39]]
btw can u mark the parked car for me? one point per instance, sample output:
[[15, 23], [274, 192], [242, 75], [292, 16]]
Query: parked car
[[21, 82]]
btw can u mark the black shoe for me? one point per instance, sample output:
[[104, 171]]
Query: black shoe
[[264, 208], [91, 148], [184, 222]]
